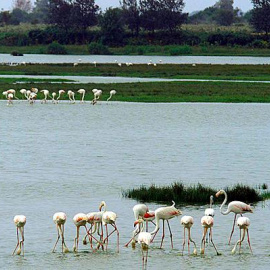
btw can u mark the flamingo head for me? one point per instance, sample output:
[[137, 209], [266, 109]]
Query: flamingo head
[[138, 221], [220, 192], [101, 205]]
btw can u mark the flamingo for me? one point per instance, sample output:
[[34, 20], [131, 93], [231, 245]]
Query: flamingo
[[95, 63], [139, 211], [10, 97], [109, 218], [46, 95], [207, 223], [5, 93], [34, 90], [32, 97], [210, 211], [59, 219], [23, 92], [19, 222], [236, 207], [94, 219], [60, 92], [71, 96], [28, 93], [165, 213], [53, 98], [97, 95], [243, 223], [112, 92], [13, 92], [82, 93], [187, 222], [144, 238], [79, 221]]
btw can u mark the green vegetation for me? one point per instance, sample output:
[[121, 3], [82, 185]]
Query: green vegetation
[[192, 194], [56, 48], [167, 71], [160, 91]]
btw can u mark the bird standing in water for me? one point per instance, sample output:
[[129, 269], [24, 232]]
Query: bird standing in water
[[19, 222]]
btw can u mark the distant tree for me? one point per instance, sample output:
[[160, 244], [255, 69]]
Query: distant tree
[[150, 16], [19, 16], [5, 17], [171, 15], [41, 11], [131, 15], [260, 16], [25, 5], [225, 13], [112, 27], [84, 13], [225, 4]]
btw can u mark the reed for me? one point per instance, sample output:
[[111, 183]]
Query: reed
[[192, 194]]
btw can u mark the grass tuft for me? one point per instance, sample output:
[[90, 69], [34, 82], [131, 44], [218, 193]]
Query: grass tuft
[[192, 194]]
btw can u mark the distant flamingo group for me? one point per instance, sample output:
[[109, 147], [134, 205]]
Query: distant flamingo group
[[142, 214], [31, 95]]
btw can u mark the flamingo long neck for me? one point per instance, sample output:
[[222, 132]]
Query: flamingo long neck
[[157, 226], [109, 97], [225, 200], [142, 229], [83, 96]]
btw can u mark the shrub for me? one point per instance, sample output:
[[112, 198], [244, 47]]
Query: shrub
[[15, 53], [181, 50], [56, 48], [98, 48]]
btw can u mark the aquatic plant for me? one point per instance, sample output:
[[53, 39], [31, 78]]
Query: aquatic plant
[[191, 194]]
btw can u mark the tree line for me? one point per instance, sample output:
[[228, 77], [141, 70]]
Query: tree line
[[139, 21]]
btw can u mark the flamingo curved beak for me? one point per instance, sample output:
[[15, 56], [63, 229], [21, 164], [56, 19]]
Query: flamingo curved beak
[[218, 193]]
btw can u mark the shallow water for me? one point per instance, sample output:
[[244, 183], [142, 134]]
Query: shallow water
[[70, 157], [137, 59]]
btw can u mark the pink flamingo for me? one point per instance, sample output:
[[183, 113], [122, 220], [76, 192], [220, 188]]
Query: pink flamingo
[[207, 223], [59, 219], [165, 213], [187, 222], [236, 207], [144, 238], [19, 221], [243, 223], [139, 211], [79, 221], [109, 218]]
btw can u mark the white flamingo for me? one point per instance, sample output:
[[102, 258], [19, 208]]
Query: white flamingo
[[112, 93], [109, 218], [23, 92], [54, 101], [46, 95], [165, 213], [59, 219], [79, 221], [97, 95], [19, 222], [237, 207], [187, 222], [144, 238], [243, 224], [60, 93], [207, 223], [34, 90], [71, 96], [10, 99], [82, 93], [13, 92]]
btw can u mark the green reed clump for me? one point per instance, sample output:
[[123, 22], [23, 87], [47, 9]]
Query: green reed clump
[[193, 194]]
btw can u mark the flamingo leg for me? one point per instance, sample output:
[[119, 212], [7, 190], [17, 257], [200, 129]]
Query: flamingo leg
[[232, 229], [18, 241], [249, 241], [135, 234], [211, 234], [63, 238], [184, 241], [58, 236], [203, 240], [154, 236], [189, 237], [163, 234], [75, 249], [170, 233]]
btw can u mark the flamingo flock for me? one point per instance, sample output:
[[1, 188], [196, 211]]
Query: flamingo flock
[[32, 94], [104, 220]]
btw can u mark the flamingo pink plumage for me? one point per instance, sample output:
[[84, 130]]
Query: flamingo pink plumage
[[237, 207], [79, 221]]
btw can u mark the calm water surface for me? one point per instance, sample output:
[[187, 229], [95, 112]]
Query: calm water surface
[[70, 157], [138, 59]]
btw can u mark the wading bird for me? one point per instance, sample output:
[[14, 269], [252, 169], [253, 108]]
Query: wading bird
[[237, 207], [210, 211], [10, 99], [144, 238], [79, 221], [82, 93], [187, 222], [13, 92], [97, 95], [60, 93], [46, 95], [109, 218], [60, 219], [243, 224], [112, 93], [207, 223], [23, 92], [71, 96], [53, 98], [165, 213], [19, 221]]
